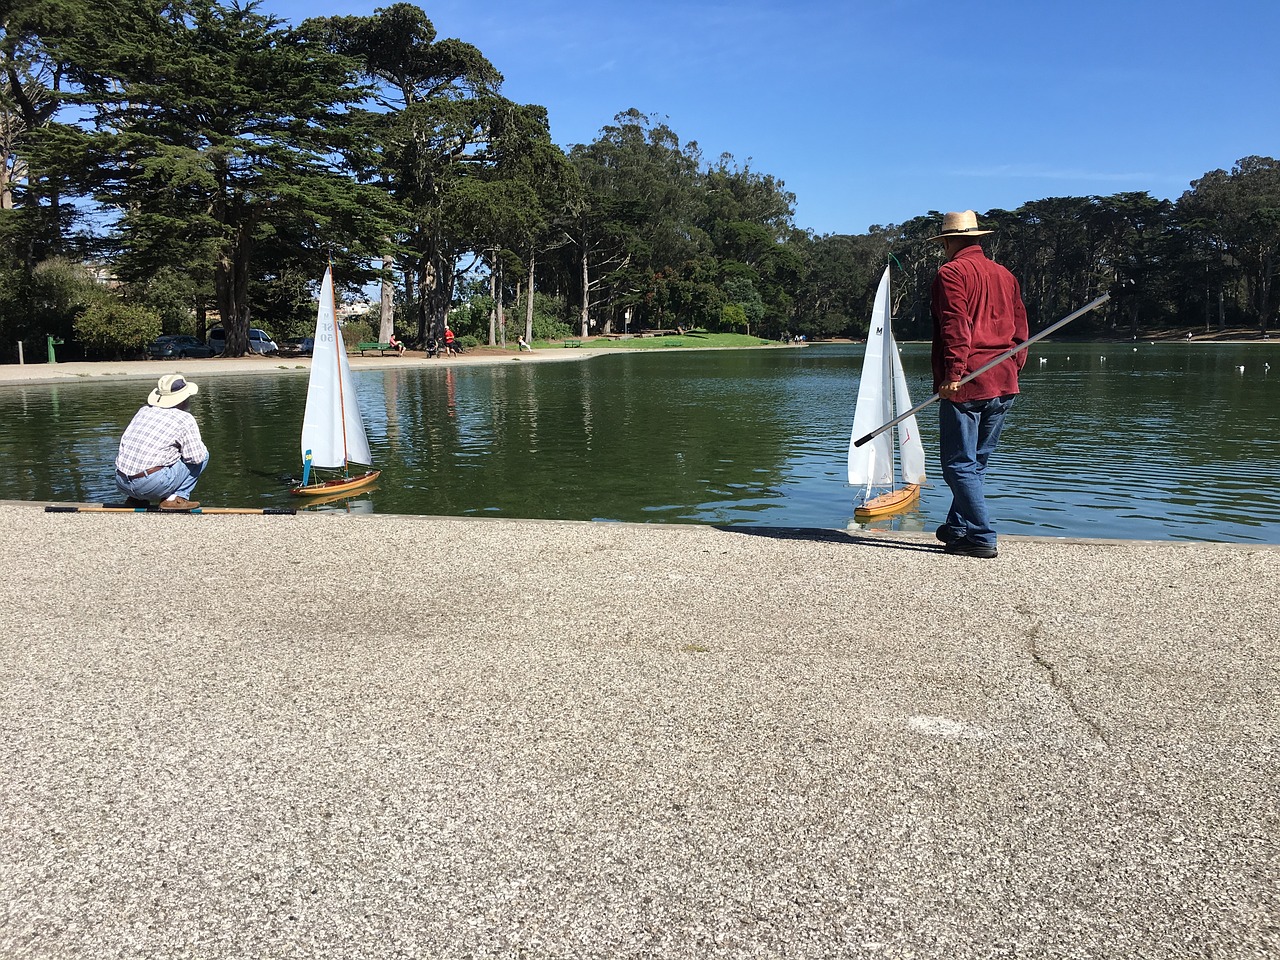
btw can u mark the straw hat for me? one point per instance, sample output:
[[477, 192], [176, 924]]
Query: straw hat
[[962, 224], [171, 390]]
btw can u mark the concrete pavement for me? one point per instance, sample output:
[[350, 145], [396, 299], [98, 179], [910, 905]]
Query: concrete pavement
[[380, 736]]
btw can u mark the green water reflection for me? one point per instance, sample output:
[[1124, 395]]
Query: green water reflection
[[1116, 440]]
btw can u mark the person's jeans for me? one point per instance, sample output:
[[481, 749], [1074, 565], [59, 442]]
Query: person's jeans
[[177, 479], [968, 433]]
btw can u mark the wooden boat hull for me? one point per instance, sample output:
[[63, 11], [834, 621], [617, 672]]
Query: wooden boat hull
[[890, 502], [342, 485]]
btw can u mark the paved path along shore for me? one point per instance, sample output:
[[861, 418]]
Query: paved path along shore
[[379, 736], [107, 370]]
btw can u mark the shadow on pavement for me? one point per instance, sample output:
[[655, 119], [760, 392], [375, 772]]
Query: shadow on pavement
[[821, 535]]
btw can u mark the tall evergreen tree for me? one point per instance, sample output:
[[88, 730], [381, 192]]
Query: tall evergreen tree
[[219, 136], [640, 186], [431, 105], [1241, 209], [35, 218]]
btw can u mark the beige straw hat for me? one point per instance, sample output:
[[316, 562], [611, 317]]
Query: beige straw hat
[[962, 224], [171, 390]]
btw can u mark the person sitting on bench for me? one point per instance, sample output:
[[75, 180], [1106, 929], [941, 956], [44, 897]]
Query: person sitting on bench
[[397, 345]]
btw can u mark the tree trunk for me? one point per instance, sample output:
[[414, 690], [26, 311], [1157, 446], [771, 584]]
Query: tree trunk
[[10, 173], [387, 326], [231, 288], [493, 307], [528, 309], [586, 294], [434, 289], [502, 317], [1264, 311], [413, 303]]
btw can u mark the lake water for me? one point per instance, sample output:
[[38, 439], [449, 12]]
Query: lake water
[[1133, 441]]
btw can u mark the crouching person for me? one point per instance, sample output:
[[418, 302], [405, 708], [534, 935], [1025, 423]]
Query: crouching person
[[161, 454]]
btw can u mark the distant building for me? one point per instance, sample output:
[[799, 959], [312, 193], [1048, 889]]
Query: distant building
[[357, 308]]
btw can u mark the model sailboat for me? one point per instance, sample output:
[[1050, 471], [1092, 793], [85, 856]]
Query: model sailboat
[[332, 430], [882, 395]]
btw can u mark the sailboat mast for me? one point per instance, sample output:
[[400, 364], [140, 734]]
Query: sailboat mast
[[891, 358], [337, 359]]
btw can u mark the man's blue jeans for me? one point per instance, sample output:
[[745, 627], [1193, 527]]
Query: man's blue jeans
[[177, 479], [967, 436]]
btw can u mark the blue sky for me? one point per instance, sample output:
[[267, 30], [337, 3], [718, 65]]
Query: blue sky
[[873, 113]]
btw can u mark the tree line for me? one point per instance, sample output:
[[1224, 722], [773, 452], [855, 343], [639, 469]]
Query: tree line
[[166, 163]]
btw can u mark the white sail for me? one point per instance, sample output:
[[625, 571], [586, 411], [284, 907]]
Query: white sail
[[882, 395], [332, 428], [871, 464], [910, 448]]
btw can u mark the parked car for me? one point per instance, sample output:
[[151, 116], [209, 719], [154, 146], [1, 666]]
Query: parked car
[[298, 346], [259, 341], [177, 345]]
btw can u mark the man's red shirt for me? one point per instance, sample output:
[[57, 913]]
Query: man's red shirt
[[978, 314]]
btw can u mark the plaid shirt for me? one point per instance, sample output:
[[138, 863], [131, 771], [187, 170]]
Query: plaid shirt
[[157, 437]]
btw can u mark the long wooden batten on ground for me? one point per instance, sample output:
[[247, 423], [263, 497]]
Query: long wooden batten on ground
[[122, 508]]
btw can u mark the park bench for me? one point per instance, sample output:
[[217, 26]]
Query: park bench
[[573, 343], [382, 348]]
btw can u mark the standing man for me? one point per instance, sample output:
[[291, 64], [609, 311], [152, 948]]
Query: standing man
[[978, 314], [161, 454]]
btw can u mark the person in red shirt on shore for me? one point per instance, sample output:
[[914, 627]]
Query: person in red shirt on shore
[[978, 314]]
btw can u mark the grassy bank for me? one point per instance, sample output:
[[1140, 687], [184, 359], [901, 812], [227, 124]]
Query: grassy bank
[[693, 338]]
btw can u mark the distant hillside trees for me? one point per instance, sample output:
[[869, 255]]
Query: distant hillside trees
[[1207, 259]]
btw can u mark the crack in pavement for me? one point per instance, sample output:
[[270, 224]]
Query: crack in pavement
[[1051, 675]]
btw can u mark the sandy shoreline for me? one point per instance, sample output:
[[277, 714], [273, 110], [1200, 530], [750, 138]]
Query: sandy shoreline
[[106, 370]]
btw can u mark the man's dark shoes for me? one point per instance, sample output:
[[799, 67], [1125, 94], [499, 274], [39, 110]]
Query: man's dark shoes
[[948, 534], [136, 503], [964, 547]]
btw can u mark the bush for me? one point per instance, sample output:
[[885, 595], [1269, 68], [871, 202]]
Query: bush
[[733, 317], [550, 318], [169, 294], [58, 291], [472, 318], [111, 326], [357, 331]]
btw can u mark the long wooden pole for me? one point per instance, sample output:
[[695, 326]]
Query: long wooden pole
[[1091, 305], [121, 508]]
